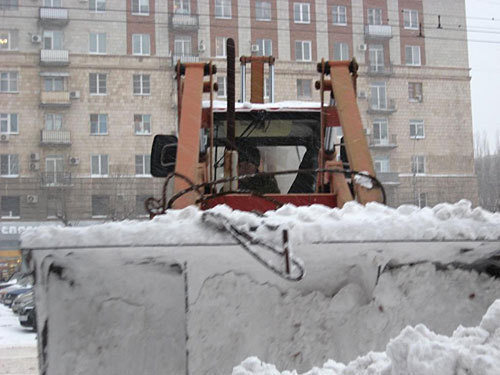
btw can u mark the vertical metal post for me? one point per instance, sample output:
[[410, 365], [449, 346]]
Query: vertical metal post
[[271, 70], [243, 76], [231, 116], [286, 249]]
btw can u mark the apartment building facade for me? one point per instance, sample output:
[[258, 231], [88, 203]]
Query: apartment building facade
[[85, 85]]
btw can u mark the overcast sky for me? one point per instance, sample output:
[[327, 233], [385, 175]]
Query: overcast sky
[[484, 59]]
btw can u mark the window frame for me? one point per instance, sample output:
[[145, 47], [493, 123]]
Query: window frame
[[100, 158], [413, 49], [53, 117], [2, 216], [12, 40], [302, 80], [302, 43], [383, 125], [222, 86], [145, 165], [94, 6], [104, 214], [224, 47], [9, 81], [379, 86], [6, 118], [223, 6], [262, 42], [418, 161], [141, 84], [337, 15], [415, 98], [98, 81], [407, 19], [11, 165], [384, 161], [101, 121], [259, 7], [10, 6], [98, 37], [375, 16], [138, 10], [183, 40], [418, 128], [341, 44], [300, 12], [182, 7], [142, 44], [142, 122]]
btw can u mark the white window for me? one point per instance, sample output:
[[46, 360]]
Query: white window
[[141, 44], [142, 124], [422, 200], [380, 132], [8, 40], [140, 7], [98, 124], [9, 165], [340, 51], [143, 165], [100, 206], [375, 16], [339, 15], [8, 123], [99, 166], [265, 47], [182, 7], [9, 4], [382, 164], [263, 11], [303, 50], [222, 8], [97, 5], [411, 19], [53, 84], [267, 87], [221, 83], [8, 82], [52, 3], [97, 43], [53, 39], [379, 95], [418, 164], [376, 56], [10, 207], [417, 129], [304, 88], [141, 83], [413, 55], [220, 46], [54, 207], [97, 83], [54, 165], [301, 13], [415, 93], [183, 46], [53, 121]]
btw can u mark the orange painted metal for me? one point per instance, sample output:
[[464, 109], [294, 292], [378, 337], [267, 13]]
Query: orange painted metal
[[338, 183], [257, 86]]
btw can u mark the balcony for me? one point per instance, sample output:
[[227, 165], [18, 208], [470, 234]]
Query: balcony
[[378, 31], [56, 179], [54, 57], [55, 99], [186, 22], [53, 16], [380, 70], [383, 143], [380, 109], [55, 138], [388, 178], [184, 58]]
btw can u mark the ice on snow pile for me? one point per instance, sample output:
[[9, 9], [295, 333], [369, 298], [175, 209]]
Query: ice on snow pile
[[416, 351], [354, 222]]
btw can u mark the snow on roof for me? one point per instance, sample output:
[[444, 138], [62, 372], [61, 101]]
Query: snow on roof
[[311, 224], [298, 106]]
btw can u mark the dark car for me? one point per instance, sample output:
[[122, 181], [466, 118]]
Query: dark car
[[21, 301], [27, 316], [12, 295]]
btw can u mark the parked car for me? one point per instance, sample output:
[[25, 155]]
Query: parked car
[[21, 301], [27, 316], [12, 295]]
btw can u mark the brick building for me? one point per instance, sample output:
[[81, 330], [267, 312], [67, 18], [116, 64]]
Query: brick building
[[85, 84]]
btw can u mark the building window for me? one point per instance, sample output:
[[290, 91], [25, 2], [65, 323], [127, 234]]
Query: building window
[[52, 3], [417, 164], [220, 46], [100, 206], [53, 40], [99, 166], [304, 89], [143, 165], [301, 13], [340, 51], [9, 4], [376, 56], [382, 164], [417, 129], [380, 132], [182, 7], [54, 207], [267, 87], [141, 44], [422, 200], [182, 46], [378, 95], [54, 166], [411, 19], [265, 47], [9, 165], [263, 11], [8, 123], [339, 15], [97, 43], [140, 7], [141, 83], [8, 82], [11, 207], [413, 55], [8, 40], [303, 50], [97, 5], [98, 124], [97, 83], [221, 83], [415, 93], [53, 121], [142, 124], [53, 84], [374, 16], [222, 8]]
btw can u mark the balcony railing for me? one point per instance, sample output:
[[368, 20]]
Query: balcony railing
[[184, 21], [388, 178], [55, 99], [56, 179], [55, 57], [184, 58], [380, 70], [55, 137], [54, 16], [378, 31], [387, 109], [389, 142]]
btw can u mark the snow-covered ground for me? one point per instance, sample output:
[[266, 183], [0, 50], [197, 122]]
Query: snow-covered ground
[[12, 334]]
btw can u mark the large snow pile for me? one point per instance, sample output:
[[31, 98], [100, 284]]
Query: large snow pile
[[311, 224], [417, 351]]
